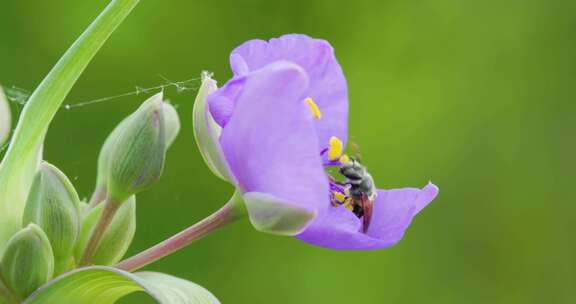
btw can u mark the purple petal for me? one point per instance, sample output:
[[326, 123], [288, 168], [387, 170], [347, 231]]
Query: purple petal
[[338, 228], [270, 142], [394, 210], [222, 102], [327, 85]]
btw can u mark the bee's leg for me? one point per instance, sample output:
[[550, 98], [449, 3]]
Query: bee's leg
[[337, 198], [357, 210]]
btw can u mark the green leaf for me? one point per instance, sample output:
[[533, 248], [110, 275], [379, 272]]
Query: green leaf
[[21, 159], [105, 285]]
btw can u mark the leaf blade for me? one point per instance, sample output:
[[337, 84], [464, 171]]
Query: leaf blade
[[106, 285]]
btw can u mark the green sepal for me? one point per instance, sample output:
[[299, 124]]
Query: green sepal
[[5, 118], [171, 122], [273, 215], [207, 131], [105, 151]]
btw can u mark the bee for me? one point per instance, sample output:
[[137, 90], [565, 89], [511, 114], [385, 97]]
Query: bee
[[361, 188]]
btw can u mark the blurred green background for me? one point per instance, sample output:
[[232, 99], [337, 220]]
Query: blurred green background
[[477, 96]]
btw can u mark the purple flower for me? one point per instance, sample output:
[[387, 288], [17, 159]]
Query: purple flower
[[275, 128]]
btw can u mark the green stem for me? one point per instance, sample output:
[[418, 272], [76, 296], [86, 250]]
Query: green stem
[[106, 218], [19, 163], [232, 211]]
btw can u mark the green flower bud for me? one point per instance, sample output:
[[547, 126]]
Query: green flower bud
[[5, 118], [137, 152], [28, 262], [53, 204], [171, 129], [118, 235]]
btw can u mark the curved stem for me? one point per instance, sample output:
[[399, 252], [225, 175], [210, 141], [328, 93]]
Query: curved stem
[[227, 214], [105, 219]]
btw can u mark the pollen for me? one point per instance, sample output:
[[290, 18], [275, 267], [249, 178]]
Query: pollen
[[348, 204], [335, 148], [339, 197], [344, 159], [314, 108]]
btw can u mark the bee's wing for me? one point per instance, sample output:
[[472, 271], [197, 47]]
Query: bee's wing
[[356, 151], [366, 205]]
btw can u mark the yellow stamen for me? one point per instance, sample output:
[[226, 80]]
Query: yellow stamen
[[314, 108], [344, 159], [335, 148], [348, 204], [339, 197]]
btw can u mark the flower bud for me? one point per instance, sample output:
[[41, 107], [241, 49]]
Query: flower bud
[[5, 118], [137, 151], [118, 235], [28, 262], [53, 205], [171, 129]]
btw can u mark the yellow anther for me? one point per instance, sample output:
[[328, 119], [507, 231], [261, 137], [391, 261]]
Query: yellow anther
[[335, 148], [339, 197], [314, 108], [344, 159], [348, 204]]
